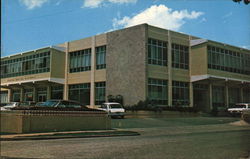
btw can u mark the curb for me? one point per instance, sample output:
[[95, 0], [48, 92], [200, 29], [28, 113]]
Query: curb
[[115, 133]]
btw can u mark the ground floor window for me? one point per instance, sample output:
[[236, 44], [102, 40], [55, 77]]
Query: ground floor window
[[28, 95], [218, 96], [16, 95], [57, 92], [4, 97], [180, 93], [41, 94], [80, 93], [100, 88], [246, 95], [233, 96], [158, 91]]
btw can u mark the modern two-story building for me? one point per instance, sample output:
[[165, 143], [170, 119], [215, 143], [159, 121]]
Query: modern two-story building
[[141, 62]]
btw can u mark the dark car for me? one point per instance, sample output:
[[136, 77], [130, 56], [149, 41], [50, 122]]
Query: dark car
[[62, 104]]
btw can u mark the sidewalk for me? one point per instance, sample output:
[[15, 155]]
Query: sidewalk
[[67, 134]]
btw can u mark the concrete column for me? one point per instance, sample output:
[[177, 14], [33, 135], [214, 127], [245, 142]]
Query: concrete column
[[34, 94], [21, 94], [226, 95], [93, 66], [10, 95], [170, 96], [66, 89], [48, 92], [191, 95], [210, 93]]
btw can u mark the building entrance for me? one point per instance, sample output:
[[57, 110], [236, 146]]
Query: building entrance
[[42, 97]]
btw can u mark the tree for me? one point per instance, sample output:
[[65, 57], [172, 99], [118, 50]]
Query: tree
[[245, 1]]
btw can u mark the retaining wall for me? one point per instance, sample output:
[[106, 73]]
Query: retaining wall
[[27, 121]]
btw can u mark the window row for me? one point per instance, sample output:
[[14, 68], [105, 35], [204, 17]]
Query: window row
[[158, 92], [81, 60], [43, 54], [81, 93], [41, 95], [158, 54], [26, 67], [227, 60]]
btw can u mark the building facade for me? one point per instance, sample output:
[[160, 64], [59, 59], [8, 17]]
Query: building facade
[[137, 63]]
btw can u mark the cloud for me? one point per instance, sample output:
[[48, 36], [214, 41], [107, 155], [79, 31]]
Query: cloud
[[98, 3], [246, 47], [227, 15], [31, 4], [160, 16]]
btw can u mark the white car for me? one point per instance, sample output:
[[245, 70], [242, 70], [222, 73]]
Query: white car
[[239, 108], [113, 109], [9, 106]]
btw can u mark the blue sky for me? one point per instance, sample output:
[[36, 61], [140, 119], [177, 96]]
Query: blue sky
[[32, 24]]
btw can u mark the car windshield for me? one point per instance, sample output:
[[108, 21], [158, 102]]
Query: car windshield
[[10, 104], [49, 103], [240, 106], [115, 106]]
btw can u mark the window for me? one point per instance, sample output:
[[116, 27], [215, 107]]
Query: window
[[234, 96], [157, 52], [246, 95], [100, 88], [228, 60], [56, 92], [80, 61], [101, 57], [180, 93], [28, 95], [16, 95], [180, 56], [158, 91], [80, 93], [32, 64], [218, 96]]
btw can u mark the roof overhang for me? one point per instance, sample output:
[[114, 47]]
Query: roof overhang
[[211, 77], [33, 82], [197, 42]]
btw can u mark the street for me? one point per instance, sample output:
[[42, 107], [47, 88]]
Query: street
[[160, 138]]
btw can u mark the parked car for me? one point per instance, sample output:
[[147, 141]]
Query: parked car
[[10, 106], [239, 108], [62, 104], [113, 109], [39, 104]]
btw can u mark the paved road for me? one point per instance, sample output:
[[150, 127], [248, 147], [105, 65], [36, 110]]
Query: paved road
[[160, 138]]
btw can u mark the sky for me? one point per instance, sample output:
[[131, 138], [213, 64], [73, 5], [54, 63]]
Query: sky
[[32, 24]]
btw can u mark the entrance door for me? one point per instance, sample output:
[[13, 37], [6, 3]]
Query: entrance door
[[42, 97]]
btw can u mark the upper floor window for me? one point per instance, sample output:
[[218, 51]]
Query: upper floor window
[[157, 52], [180, 56], [101, 57], [228, 60], [31, 64], [80, 60]]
